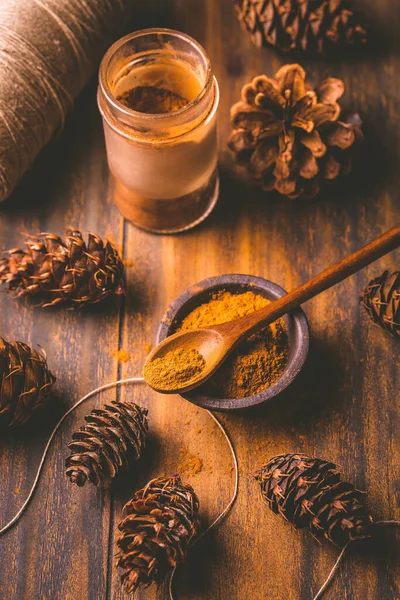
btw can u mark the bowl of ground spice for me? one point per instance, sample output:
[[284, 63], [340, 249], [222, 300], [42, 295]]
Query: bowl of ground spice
[[262, 366]]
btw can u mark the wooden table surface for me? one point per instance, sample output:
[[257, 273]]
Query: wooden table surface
[[344, 407]]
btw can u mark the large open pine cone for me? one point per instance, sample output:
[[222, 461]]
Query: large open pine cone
[[25, 382], [64, 271], [381, 299], [309, 492], [314, 26], [113, 437], [161, 521], [288, 136]]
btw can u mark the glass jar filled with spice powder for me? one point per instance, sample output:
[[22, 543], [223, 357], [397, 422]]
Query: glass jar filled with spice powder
[[158, 99]]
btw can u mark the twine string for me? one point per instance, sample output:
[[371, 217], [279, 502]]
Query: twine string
[[74, 42], [46, 57], [341, 556], [332, 573], [102, 388], [47, 447]]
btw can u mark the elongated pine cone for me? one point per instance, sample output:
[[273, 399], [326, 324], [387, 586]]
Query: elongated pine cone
[[381, 299], [64, 271], [161, 521], [113, 437], [288, 136], [309, 492], [25, 382], [313, 26]]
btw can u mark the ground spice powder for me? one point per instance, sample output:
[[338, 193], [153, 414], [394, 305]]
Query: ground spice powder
[[190, 464], [258, 362], [152, 100], [122, 355], [175, 368]]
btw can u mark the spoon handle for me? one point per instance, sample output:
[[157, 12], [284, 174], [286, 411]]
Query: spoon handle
[[321, 282]]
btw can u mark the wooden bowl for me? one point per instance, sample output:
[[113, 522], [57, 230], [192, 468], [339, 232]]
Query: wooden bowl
[[296, 326]]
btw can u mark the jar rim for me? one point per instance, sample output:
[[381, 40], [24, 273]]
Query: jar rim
[[106, 90], [152, 141]]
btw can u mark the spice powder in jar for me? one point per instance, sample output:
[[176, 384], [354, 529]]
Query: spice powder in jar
[[256, 363], [158, 99]]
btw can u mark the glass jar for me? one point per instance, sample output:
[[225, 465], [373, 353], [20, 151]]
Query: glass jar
[[164, 164]]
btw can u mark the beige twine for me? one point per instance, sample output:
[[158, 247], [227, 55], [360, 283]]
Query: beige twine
[[48, 50]]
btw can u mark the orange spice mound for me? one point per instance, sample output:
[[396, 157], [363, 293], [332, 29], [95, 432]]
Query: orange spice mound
[[122, 355], [258, 362], [190, 464]]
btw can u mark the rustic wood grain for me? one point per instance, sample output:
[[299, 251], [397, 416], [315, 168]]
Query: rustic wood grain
[[344, 407]]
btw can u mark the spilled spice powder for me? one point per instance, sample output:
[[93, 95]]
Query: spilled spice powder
[[258, 362], [174, 368], [190, 464], [148, 347], [122, 355], [152, 100]]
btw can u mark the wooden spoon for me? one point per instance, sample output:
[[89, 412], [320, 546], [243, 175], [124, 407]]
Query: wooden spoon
[[215, 343]]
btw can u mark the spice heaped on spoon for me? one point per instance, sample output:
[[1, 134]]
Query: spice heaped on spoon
[[176, 367], [185, 360]]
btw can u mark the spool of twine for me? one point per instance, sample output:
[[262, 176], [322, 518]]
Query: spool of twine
[[48, 50]]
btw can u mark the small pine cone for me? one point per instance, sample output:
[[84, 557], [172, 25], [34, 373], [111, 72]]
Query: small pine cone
[[113, 437], [312, 26], [25, 382], [65, 271], [288, 136], [381, 299], [161, 521], [308, 492]]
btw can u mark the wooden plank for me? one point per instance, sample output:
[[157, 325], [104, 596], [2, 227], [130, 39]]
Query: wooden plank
[[59, 549]]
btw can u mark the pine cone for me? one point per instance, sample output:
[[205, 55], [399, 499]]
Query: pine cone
[[308, 492], [25, 382], [381, 299], [64, 271], [113, 437], [313, 26], [288, 136], [161, 521]]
